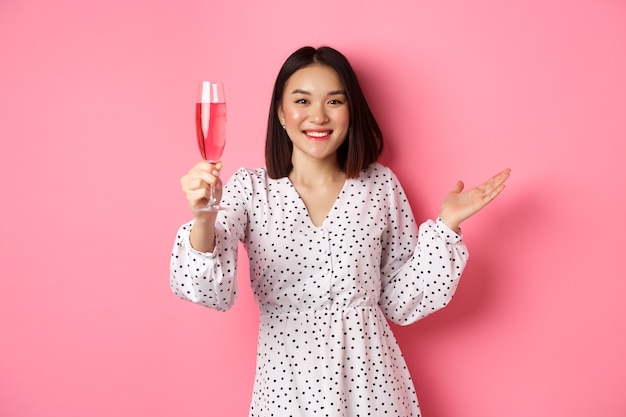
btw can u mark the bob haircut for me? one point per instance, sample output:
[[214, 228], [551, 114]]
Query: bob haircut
[[364, 142]]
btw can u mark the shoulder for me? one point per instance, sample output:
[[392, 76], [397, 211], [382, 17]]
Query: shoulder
[[379, 169], [380, 174], [254, 174], [251, 178], [383, 183]]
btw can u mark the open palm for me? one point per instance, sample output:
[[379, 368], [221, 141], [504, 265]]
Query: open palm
[[460, 205]]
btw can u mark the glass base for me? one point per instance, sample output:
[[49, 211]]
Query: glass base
[[211, 207]]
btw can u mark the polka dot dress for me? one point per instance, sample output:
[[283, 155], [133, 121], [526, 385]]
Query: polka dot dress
[[325, 293]]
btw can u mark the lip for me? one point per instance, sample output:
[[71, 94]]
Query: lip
[[318, 134]]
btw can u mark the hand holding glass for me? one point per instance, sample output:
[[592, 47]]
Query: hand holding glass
[[211, 129]]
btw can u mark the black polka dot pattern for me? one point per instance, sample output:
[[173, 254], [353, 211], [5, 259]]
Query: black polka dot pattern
[[325, 293]]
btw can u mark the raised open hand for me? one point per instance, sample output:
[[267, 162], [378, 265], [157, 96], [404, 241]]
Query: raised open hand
[[460, 205]]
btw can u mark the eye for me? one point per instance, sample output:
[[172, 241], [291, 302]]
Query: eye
[[336, 101], [302, 101]]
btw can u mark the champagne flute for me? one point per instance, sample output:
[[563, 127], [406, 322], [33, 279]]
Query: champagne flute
[[211, 129]]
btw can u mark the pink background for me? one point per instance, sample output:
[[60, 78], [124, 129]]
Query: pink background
[[96, 125]]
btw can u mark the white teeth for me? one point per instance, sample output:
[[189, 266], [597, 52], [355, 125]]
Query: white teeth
[[318, 134]]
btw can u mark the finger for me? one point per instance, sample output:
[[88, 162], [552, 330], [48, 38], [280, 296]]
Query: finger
[[209, 166], [203, 170], [198, 198], [494, 182], [208, 178], [493, 193], [458, 187], [500, 177], [203, 181]]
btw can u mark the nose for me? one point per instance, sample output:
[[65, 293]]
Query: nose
[[318, 114]]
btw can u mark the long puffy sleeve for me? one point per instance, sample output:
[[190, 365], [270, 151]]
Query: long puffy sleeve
[[209, 279], [420, 270]]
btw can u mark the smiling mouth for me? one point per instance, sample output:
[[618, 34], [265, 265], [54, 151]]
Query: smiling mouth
[[318, 134]]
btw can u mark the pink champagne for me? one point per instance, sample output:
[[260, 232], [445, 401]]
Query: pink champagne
[[211, 132]]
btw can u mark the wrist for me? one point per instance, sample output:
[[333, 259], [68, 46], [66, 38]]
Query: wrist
[[205, 219], [451, 224]]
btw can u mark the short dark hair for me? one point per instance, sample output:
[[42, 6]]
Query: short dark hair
[[364, 142]]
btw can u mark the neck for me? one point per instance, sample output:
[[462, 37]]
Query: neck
[[316, 172]]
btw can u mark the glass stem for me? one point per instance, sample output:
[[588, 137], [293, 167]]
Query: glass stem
[[212, 200]]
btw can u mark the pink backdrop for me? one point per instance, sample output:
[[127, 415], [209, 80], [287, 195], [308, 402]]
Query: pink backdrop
[[96, 125]]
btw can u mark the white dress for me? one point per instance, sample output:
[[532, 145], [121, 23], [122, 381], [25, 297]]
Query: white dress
[[324, 293]]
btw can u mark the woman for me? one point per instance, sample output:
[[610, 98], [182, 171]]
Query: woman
[[333, 246]]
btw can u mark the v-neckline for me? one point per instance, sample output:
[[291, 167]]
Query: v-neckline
[[306, 209]]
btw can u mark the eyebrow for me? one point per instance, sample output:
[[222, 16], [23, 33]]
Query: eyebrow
[[330, 93]]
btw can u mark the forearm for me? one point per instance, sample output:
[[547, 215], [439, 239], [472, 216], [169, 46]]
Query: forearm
[[202, 235]]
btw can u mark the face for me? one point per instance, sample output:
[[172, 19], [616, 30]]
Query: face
[[315, 113]]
